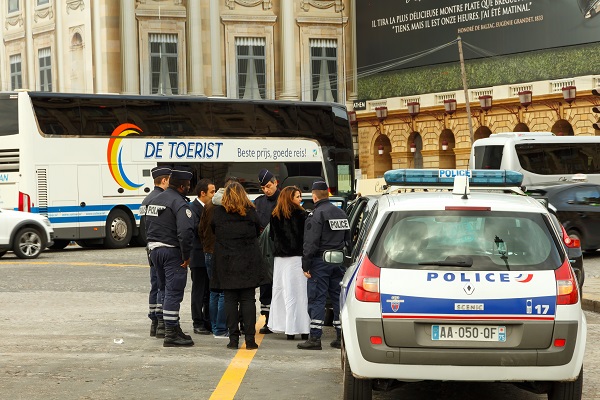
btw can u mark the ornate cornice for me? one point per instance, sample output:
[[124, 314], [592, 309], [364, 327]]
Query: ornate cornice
[[74, 5], [322, 4], [267, 4], [266, 19]]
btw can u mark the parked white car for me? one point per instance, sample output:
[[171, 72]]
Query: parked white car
[[26, 234]]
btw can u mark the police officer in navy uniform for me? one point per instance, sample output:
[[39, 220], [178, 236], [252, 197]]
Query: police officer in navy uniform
[[161, 182], [326, 228], [170, 240], [265, 204]]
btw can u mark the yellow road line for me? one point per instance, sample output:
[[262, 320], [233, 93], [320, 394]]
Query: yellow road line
[[232, 378], [78, 264]]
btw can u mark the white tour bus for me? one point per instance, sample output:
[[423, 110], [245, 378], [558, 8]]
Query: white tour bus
[[84, 160], [539, 156]]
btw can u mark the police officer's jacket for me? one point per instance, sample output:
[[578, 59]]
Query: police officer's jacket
[[170, 221], [326, 228], [142, 212], [265, 206]]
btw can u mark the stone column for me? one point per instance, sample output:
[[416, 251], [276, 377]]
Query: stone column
[[215, 49], [196, 83], [98, 65], [288, 28], [129, 49], [31, 56], [61, 85]]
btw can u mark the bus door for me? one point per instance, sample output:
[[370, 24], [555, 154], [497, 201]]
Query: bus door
[[58, 197], [92, 211]]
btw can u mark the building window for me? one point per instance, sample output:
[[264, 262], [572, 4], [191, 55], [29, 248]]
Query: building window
[[45, 69], [251, 68], [16, 78], [42, 2], [323, 62], [13, 6], [164, 77]]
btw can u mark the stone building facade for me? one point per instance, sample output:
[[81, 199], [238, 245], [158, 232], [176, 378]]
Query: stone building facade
[[273, 49], [441, 140]]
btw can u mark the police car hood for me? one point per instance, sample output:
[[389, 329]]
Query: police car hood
[[467, 297]]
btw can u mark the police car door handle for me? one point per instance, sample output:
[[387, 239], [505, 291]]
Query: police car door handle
[[82, 204]]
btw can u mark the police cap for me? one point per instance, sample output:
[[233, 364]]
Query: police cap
[[160, 171], [264, 177], [181, 173], [319, 185]]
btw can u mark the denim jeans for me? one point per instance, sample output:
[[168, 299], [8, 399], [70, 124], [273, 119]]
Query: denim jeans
[[216, 303]]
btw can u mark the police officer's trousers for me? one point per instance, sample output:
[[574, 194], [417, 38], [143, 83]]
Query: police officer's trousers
[[325, 278], [168, 264], [157, 291]]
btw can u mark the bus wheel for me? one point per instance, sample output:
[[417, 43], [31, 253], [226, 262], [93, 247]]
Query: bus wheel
[[28, 243], [59, 244], [118, 230]]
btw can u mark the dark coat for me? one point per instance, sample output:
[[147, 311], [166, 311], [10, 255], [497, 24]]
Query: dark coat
[[288, 234], [265, 206], [237, 260], [197, 255]]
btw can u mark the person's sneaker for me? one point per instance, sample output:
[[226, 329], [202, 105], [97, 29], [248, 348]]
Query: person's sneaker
[[233, 343], [223, 336], [265, 330], [202, 331]]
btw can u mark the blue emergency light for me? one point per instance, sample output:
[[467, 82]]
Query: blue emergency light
[[445, 177]]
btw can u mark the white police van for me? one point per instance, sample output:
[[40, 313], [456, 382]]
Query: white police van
[[454, 283]]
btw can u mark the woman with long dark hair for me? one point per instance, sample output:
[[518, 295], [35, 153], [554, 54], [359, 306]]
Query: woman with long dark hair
[[238, 263], [289, 304]]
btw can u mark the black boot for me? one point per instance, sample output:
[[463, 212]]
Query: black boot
[[337, 343], [182, 334], [172, 338], [234, 342], [313, 343], [251, 343], [265, 329], [153, 326], [291, 337], [304, 336], [160, 329]]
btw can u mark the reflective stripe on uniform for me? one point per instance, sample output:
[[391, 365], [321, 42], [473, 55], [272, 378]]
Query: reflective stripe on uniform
[[170, 315]]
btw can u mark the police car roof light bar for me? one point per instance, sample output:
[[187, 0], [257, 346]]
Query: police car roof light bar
[[445, 177]]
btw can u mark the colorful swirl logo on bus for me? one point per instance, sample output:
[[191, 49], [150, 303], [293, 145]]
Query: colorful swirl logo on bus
[[113, 154]]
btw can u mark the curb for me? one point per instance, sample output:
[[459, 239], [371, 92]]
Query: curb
[[591, 303]]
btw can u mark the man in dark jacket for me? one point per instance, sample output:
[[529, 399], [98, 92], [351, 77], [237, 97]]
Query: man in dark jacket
[[326, 228], [205, 190], [161, 182], [170, 237], [265, 204]]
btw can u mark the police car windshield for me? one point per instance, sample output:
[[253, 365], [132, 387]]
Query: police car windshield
[[475, 240]]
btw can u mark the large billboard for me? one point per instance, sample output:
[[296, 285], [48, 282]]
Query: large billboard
[[390, 31]]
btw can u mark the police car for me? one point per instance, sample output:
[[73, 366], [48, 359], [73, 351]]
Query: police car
[[26, 234], [462, 284]]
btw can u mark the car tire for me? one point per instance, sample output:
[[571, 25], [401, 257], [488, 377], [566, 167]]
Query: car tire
[[354, 389], [119, 230], [28, 243], [59, 244], [567, 390]]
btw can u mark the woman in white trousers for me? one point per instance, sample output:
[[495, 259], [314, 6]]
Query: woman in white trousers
[[289, 304]]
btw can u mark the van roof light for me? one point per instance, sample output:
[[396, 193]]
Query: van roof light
[[445, 177]]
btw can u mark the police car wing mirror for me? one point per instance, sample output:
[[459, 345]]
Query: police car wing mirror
[[336, 257]]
